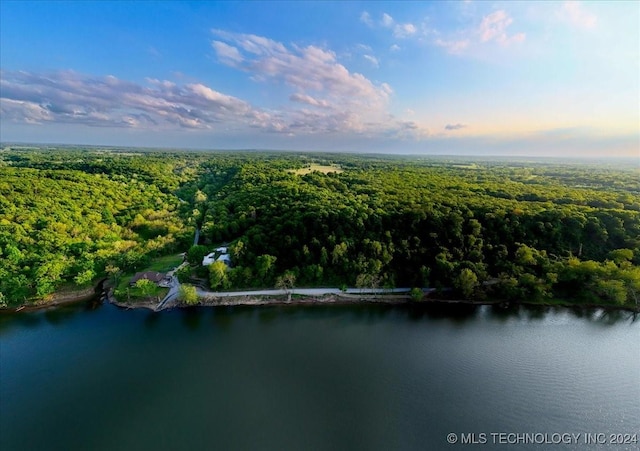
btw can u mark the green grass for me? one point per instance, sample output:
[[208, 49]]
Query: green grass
[[157, 293], [135, 294], [160, 264], [164, 264], [120, 291]]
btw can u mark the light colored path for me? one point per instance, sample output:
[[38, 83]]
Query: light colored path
[[307, 292], [174, 287]]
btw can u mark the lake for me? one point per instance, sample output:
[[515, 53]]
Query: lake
[[369, 377]]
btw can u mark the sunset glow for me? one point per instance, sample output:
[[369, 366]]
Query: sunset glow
[[504, 78]]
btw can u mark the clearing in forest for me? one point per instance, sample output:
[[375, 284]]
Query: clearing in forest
[[318, 167]]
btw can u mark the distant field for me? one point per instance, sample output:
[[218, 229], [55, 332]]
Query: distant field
[[318, 167]]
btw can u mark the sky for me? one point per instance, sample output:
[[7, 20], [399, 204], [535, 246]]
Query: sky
[[469, 78]]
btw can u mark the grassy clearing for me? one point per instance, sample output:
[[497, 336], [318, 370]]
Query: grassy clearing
[[164, 264], [318, 167], [160, 264], [125, 293]]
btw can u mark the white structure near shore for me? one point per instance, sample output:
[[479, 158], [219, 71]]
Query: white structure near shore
[[220, 254]]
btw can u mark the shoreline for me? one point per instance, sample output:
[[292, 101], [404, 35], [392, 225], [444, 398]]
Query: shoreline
[[57, 300], [346, 299], [83, 295]]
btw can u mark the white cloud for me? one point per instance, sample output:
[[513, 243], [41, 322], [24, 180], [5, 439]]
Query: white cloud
[[251, 43], [313, 71], [400, 30], [491, 29], [341, 101], [404, 30], [303, 98], [26, 111], [387, 20], [335, 99], [69, 97], [209, 95], [494, 28], [227, 53], [319, 95], [574, 13], [366, 19], [372, 59], [327, 99], [454, 47]]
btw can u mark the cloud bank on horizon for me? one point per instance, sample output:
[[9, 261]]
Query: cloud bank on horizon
[[539, 78]]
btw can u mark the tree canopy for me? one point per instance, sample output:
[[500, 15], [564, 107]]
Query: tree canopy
[[515, 230]]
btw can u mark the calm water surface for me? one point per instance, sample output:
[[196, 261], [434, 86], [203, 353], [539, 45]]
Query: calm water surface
[[313, 378]]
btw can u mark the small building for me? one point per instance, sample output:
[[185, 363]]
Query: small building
[[209, 259], [226, 258], [153, 276], [219, 255]]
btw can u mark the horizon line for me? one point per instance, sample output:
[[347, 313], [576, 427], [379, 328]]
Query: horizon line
[[4, 144]]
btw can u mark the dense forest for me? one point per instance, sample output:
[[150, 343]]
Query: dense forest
[[476, 228], [68, 217]]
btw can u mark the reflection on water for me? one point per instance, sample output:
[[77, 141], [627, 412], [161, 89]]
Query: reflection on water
[[191, 318], [223, 315], [151, 319], [455, 313], [58, 316], [222, 318], [371, 377]]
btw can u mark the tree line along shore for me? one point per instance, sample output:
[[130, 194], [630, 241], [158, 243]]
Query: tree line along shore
[[541, 232]]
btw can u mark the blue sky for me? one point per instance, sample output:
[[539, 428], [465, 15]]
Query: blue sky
[[503, 78]]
